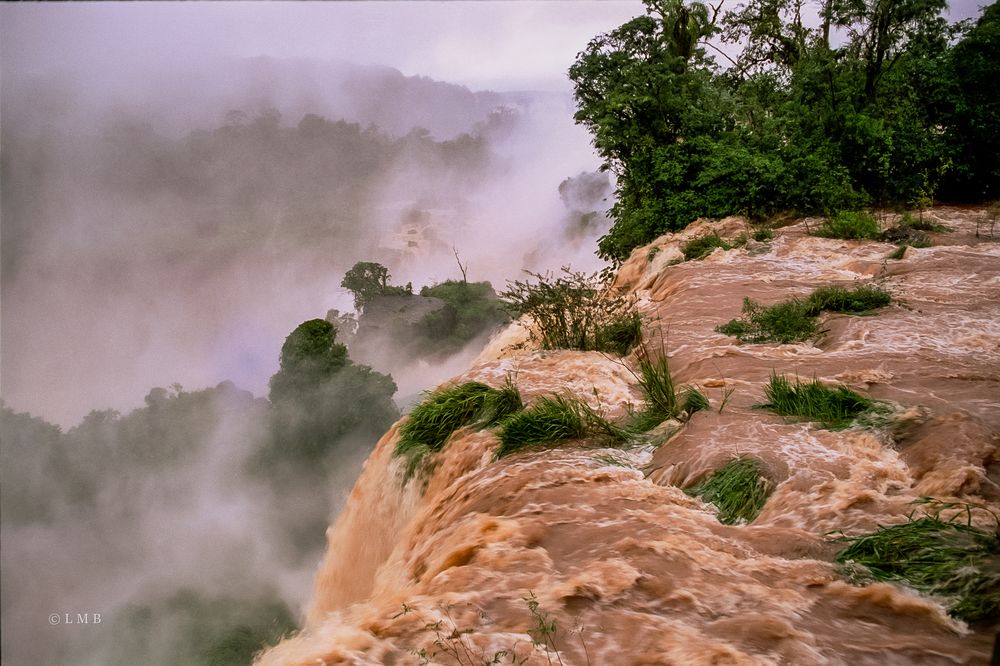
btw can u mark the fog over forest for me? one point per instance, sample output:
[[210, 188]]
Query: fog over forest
[[182, 186], [136, 254]]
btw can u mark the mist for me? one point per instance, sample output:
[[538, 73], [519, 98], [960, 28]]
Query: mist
[[182, 185], [136, 255]]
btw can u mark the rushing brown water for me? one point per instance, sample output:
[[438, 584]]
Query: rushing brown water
[[631, 569]]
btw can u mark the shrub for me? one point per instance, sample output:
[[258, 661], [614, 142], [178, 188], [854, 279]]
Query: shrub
[[920, 224], [575, 311], [761, 234], [850, 226], [619, 335], [793, 321], [783, 323], [834, 408], [702, 246], [938, 557], [433, 421], [476, 309], [554, 419], [739, 490], [862, 299]]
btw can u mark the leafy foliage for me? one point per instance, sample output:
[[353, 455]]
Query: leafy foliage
[[897, 114], [739, 490], [661, 398], [834, 408], [368, 280], [575, 311], [475, 309], [320, 397], [862, 299], [944, 558]]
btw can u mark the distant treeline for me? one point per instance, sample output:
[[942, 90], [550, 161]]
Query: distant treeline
[[883, 104]]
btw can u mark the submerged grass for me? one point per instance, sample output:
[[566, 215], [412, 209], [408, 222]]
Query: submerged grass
[[702, 246], [862, 299], [553, 419], [661, 398], [739, 490], [446, 410], [794, 320], [834, 408], [944, 558], [783, 323]]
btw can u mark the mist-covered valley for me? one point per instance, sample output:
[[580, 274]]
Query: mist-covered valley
[[161, 238]]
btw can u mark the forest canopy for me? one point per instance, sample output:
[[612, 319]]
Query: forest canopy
[[898, 111]]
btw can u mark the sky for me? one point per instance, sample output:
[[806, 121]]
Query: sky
[[495, 45]]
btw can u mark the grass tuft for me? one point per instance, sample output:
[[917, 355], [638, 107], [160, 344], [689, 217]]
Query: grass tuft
[[944, 558], [444, 411], [850, 225], [862, 299], [554, 419], [834, 408], [661, 398], [783, 323], [499, 403], [793, 321], [702, 246], [739, 490], [762, 234]]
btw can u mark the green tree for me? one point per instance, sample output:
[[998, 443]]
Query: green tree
[[319, 397], [310, 356], [973, 114], [368, 280]]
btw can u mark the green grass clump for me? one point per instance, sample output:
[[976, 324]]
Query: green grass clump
[[783, 323], [739, 490], [860, 300], [661, 398], [834, 408], [956, 561], [499, 403], [702, 246], [446, 410], [793, 321], [850, 225], [761, 234], [553, 419]]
